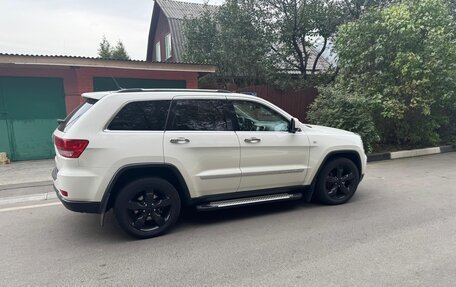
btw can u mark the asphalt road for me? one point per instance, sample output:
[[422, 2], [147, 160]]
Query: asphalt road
[[398, 230]]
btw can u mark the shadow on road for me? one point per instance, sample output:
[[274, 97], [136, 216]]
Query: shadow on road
[[87, 226]]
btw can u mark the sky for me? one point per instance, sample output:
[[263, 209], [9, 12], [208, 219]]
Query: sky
[[75, 27]]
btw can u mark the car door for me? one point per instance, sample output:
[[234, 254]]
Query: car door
[[200, 141], [271, 156]]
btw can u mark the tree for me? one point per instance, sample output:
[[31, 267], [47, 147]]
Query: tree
[[355, 8], [301, 30], [401, 61], [230, 40], [258, 41], [106, 51], [119, 52], [452, 6]]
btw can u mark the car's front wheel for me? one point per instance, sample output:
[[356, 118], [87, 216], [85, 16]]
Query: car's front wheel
[[147, 207], [337, 181]]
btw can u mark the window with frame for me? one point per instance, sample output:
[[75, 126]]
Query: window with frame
[[253, 116], [141, 116], [73, 117], [157, 52], [168, 46], [199, 115]]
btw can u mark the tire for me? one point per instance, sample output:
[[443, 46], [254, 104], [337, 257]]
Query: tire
[[337, 181], [147, 207]]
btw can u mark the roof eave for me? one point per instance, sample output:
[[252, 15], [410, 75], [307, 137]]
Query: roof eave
[[23, 60]]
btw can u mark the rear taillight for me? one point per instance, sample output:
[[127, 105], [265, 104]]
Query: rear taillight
[[70, 148]]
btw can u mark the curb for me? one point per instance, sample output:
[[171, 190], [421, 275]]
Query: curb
[[370, 158], [27, 198], [409, 153], [26, 184]]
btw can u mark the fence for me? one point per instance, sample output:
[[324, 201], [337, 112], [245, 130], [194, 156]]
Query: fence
[[295, 103]]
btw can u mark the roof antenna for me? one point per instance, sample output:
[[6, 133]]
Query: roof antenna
[[117, 84]]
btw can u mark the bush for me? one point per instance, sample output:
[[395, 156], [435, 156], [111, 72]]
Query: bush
[[337, 108], [403, 59]]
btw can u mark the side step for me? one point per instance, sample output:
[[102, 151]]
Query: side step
[[248, 201]]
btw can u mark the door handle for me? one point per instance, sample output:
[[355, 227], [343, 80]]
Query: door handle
[[179, 141], [252, 140]]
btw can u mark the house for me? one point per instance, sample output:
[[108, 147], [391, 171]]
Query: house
[[166, 34]]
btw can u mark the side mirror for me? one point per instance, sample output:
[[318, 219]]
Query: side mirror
[[293, 128]]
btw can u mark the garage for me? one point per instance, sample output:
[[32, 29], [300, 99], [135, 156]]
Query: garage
[[36, 90], [29, 108]]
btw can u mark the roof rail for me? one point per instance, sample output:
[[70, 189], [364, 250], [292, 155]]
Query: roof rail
[[254, 94], [135, 90]]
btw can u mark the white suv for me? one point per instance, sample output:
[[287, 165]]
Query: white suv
[[148, 153]]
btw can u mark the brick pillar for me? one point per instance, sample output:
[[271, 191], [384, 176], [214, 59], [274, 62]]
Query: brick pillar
[[193, 82], [77, 82]]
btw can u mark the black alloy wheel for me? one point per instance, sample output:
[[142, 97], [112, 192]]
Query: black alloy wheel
[[147, 207], [337, 181]]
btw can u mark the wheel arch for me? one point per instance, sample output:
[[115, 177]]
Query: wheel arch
[[352, 155], [132, 172]]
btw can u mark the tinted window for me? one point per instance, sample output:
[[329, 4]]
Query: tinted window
[[253, 116], [199, 115], [72, 118], [141, 116]]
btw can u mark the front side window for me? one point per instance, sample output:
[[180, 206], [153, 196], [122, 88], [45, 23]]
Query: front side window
[[141, 116], [157, 52], [199, 115], [253, 116], [168, 46]]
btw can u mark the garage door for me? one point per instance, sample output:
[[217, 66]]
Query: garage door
[[108, 84], [29, 108]]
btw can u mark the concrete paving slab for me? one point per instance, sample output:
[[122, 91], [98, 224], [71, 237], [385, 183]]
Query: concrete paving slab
[[23, 172]]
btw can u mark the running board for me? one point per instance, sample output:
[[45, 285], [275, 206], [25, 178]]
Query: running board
[[248, 201]]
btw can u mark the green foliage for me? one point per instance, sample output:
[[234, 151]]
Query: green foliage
[[106, 51], [452, 6], [341, 109], [230, 40], [355, 8], [119, 52], [278, 42], [403, 60], [300, 32]]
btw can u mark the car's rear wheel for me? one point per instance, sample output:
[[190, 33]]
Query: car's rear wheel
[[147, 207], [337, 181]]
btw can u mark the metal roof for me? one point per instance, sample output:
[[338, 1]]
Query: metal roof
[[78, 61], [176, 12], [177, 30], [90, 58], [181, 10]]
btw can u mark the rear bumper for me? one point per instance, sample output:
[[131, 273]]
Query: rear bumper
[[77, 206]]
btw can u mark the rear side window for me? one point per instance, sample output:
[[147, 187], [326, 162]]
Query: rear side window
[[141, 116], [199, 115], [73, 117]]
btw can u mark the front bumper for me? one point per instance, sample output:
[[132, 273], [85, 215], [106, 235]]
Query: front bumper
[[77, 206]]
